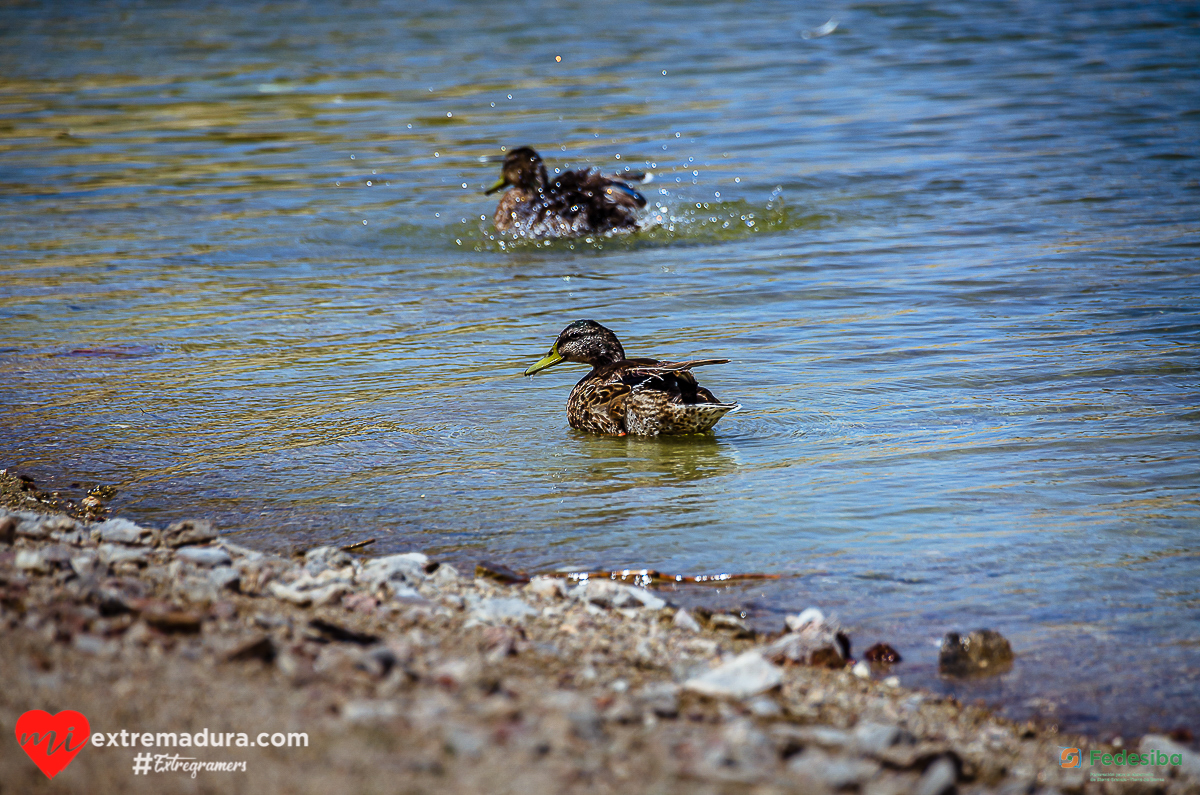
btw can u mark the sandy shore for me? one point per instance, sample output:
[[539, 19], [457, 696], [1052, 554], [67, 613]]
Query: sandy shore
[[405, 675]]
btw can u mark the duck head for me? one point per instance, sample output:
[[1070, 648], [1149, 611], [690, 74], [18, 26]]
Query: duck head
[[523, 168], [584, 341]]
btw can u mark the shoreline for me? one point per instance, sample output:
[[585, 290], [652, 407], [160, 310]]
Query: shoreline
[[404, 673]]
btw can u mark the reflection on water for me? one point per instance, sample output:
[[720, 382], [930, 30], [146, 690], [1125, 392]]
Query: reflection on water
[[246, 272]]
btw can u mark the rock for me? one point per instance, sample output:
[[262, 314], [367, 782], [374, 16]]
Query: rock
[[861, 670], [327, 631], [817, 767], [882, 654], [113, 555], [746, 675], [31, 525], [981, 653], [406, 568], [444, 575], [318, 559], [547, 587], [171, 620], [809, 615], [793, 738], [189, 531], [875, 739], [32, 560], [224, 578], [261, 648], [607, 593], [8, 529], [660, 698], [731, 622], [814, 644], [939, 778], [369, 711], [683, 619], [303, 597], [122, 531], [1189, 760], [487, 570], [204, 556], [500, 610], [85, 564]]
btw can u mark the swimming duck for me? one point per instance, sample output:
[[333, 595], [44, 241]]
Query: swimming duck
[[580, 202], [644, 397]]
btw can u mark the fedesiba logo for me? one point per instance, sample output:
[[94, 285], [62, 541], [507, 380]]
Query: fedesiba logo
[[1070, 757]]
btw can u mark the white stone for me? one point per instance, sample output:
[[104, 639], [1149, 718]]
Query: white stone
[[742, 677], [501, 609], [203, 556], [683, 619]]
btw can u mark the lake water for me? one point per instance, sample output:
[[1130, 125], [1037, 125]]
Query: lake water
[[953, 250]]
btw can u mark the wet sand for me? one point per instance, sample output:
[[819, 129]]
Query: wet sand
[[407, 675]]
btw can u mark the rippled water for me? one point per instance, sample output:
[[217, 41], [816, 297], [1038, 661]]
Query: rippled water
[[952, 249]]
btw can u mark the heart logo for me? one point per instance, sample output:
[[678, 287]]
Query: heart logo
[[50, 740]]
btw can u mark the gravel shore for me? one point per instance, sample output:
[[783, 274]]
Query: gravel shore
[[406, 675]]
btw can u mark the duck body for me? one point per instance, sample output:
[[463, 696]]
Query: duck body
[[641, 397], [573, 204]]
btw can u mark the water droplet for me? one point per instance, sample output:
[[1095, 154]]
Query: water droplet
[[437, 215], [664, 72], [618, 157], [464, 184], [676, 135], [364, 222], [338, 184], [449, 115], [510, 96], [437, 154], [493, 104], [737, 179], [351, 157], [558, 59], [457, 241], [717, 194]]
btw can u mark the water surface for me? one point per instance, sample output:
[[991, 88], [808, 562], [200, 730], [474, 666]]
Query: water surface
[[246, 273]]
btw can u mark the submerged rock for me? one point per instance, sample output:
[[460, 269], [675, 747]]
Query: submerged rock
[[882, 654], [981, 653]]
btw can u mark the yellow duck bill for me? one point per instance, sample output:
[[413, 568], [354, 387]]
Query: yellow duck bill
[[501, 183], [549, 360]]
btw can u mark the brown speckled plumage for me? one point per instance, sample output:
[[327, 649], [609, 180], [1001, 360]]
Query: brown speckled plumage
[[644, 397], [574, 203]]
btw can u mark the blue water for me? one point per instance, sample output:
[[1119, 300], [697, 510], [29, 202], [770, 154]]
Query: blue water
[[247, 272]]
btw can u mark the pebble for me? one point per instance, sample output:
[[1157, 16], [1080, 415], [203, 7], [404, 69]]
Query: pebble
[[939, 778], [408, 567], [1190, 760], [607, 593], [683, 619], [547, 587], [224, 578], [834, 772], [112, 555], [122, 531], [501, 609], [207, 557], [861, 670], [32, 560], [189, 531], [744, 676]]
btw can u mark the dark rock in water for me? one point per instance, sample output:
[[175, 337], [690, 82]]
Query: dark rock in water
[[500, 573], [981, 653], [882, 654]]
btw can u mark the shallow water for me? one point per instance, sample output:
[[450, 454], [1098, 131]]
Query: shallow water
[[954, 257]]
